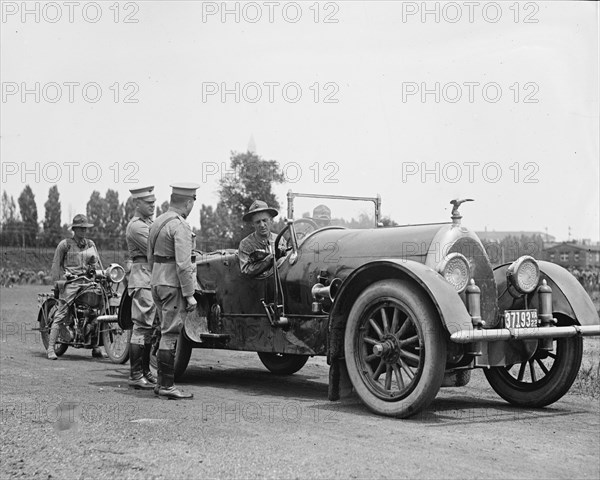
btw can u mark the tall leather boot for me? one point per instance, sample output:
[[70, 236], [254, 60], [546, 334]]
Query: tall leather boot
[[146, 364], [52, 341], [159, 378], [136, 375], [166, 377]]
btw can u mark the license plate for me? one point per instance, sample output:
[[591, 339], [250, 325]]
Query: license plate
[[520, 318]]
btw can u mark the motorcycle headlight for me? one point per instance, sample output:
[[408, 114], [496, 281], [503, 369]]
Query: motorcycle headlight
[[115, 272], [456, 270], [524, 274]]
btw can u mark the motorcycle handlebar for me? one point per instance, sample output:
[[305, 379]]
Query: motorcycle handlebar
[[113, 274], [97, 273]]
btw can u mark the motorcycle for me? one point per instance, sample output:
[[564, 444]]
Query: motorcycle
[[93, 316]]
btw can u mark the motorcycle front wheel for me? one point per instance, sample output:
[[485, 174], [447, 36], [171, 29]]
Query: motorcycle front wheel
[[116, 343], [116, 340]]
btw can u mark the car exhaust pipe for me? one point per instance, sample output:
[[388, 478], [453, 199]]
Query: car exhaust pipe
[[107, 318]]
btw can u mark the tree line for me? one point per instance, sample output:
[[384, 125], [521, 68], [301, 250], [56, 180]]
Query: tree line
[[221, 226], [249, 177]]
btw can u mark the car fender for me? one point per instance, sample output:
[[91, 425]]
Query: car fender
[[450, 307], [569, 298], [195, 323]]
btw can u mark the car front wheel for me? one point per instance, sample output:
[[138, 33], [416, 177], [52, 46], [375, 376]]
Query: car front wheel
[[543, 379], [395, 349]]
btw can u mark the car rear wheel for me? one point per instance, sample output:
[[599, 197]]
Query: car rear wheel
[[395, 348], [282, 363], [541, 380]]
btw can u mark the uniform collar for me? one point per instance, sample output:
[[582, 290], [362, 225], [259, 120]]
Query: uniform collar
[[178, 211], [147, 220]]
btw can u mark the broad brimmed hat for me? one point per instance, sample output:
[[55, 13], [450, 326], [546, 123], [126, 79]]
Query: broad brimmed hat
[[322, 212], [80, 221], [257, 207], [143, 193]]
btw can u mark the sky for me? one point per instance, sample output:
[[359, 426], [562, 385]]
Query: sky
[[419, 102]]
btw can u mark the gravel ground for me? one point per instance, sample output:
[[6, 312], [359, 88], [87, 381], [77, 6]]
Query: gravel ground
[[76, 418]]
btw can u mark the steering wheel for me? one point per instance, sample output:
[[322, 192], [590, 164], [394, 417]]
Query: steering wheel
[[308, 226]]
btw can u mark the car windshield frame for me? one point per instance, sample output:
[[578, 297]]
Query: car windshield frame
[[375, 200]]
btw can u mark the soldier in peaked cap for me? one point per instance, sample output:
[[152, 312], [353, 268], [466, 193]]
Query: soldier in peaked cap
[[173, 281], [257, 249], [142, 304], [72, 257]]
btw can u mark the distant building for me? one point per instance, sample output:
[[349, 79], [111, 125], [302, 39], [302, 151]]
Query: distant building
[[571, 254]]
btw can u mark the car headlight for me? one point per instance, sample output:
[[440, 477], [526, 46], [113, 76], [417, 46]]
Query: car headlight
[[115, 272], [524, 274], [456, 270]]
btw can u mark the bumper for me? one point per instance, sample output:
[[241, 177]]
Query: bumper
[[499, 334]]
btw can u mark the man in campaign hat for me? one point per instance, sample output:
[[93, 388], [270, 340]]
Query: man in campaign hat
[[322, 215], [173, 281], [72, 257], [257, 249], [143, 308]]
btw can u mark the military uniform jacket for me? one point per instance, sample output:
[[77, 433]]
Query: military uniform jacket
[[72, 257], [136, 236], [173, 247]]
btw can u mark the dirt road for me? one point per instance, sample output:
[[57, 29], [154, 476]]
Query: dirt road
[[76, 418]]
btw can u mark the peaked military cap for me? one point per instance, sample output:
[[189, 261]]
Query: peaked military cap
[[186, 189], [144, 193]]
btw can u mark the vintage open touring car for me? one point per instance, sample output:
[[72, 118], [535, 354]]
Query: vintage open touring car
[[404, 309]]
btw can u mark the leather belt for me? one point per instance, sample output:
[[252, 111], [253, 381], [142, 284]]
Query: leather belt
[[140, 259], [161, 259]]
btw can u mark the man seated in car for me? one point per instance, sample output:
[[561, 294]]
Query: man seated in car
[[256, 251], [322, 216]]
